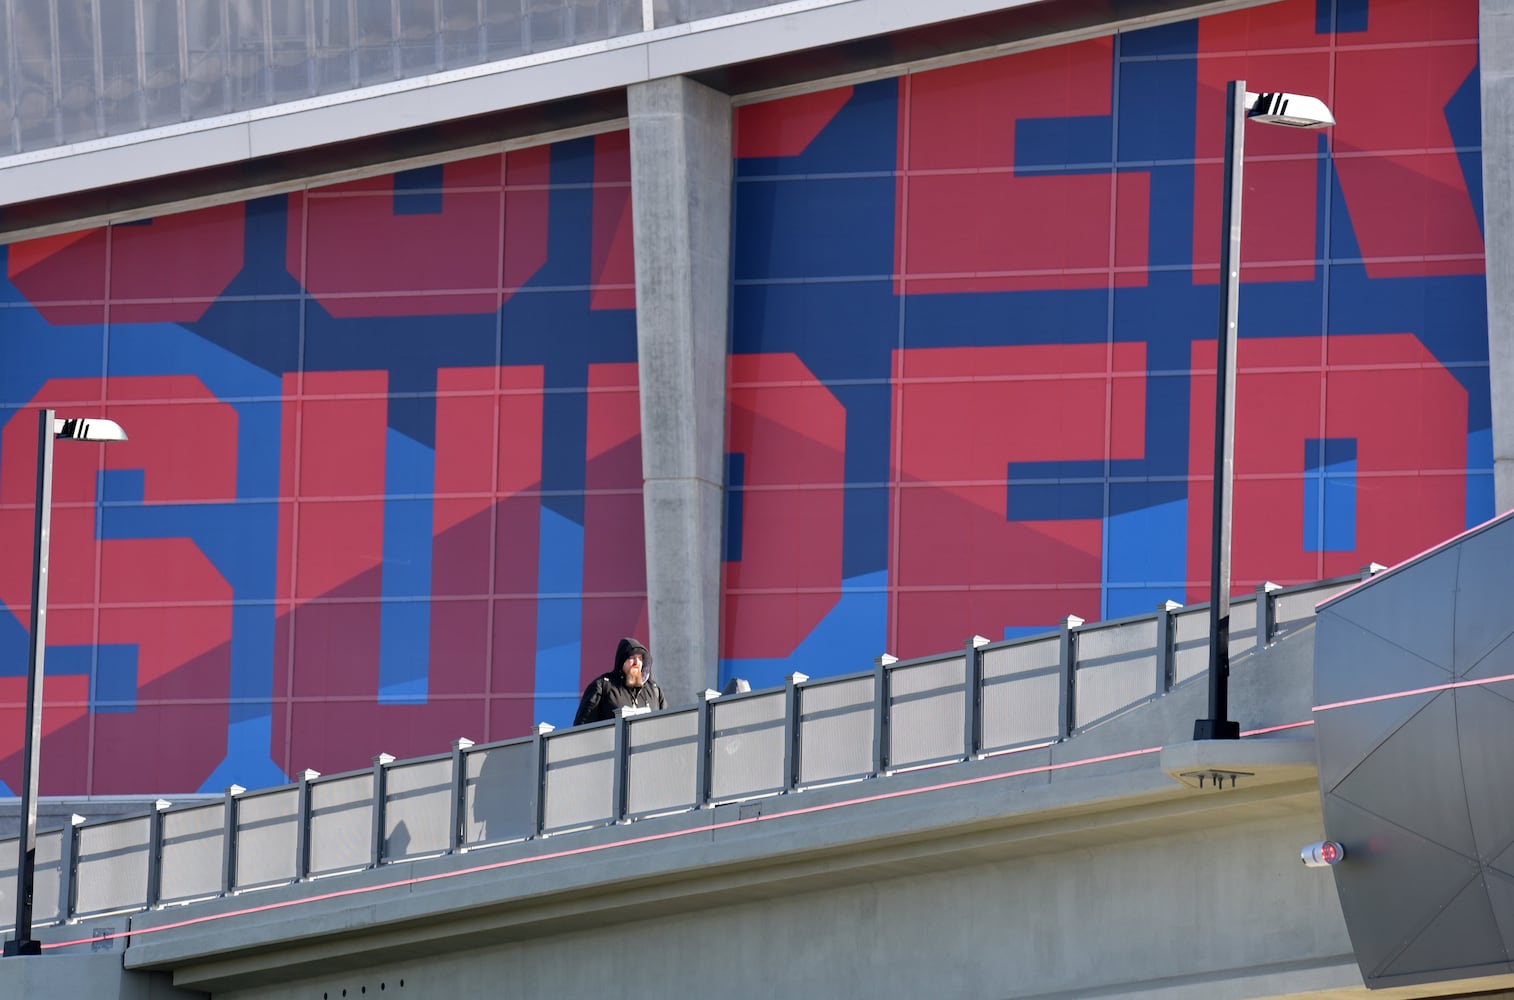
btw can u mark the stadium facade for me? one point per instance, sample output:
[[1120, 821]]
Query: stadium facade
[[885, 333]]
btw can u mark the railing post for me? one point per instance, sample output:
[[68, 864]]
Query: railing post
[[791, 730], [229, 840], [302, 826], [1067, 707], [155, 852], [1166, 645], [539, 785], [620, 780], [68, 868], [705, 747], [1266, 614], [972, 697], [381, 762], [880, 712], [458, 802]]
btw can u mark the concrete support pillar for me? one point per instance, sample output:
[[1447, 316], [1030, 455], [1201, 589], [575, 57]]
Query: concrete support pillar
[[681, 205], [1496, 33]]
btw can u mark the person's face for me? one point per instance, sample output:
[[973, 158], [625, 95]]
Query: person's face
[[632, 668]]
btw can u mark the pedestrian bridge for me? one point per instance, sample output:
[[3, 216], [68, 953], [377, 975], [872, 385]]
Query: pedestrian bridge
[[1015, 819]]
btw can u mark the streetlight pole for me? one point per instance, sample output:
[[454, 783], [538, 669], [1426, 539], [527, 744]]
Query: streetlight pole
[[1296, 111], [48, 427]]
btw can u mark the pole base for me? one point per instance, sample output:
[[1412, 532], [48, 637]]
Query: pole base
[[1216, 729], [14, 948]]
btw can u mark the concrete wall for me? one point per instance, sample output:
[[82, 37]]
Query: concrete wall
[[1162, 915], [85, 977]]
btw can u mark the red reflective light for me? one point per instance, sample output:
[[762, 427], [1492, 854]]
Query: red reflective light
[[1330, 852]]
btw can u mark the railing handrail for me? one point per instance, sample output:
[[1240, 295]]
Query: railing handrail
[[897, 723]]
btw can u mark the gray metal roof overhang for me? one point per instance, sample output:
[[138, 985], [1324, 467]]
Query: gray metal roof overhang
[[543, 97]]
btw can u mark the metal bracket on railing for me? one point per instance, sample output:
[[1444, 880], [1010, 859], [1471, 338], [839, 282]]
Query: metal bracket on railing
[[229, 840], [1067, 656], [381, 762], [155, 852], [539, 785], [455, 807], [1166, 645], [68, 868], [880, 712], [457, 799], [1266, 614], [704, 747], [972, 678], [791, 730], [302, 825]]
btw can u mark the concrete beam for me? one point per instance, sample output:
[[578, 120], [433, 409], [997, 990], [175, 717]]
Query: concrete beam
[[681, 206]]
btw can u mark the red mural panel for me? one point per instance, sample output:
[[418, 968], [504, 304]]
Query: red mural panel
[[368, 250], [614, 265], [1399, 169], [1394, 154], [966, 217], [159, 596], [165, 270], [959, 565], [789, 431], [786, 127], [1410, 460], [615, 561], [330, 636], [1282, 164]]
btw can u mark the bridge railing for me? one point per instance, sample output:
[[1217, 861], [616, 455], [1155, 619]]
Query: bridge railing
[[985, 699]]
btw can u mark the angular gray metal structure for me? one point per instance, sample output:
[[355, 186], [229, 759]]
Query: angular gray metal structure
[[1414, 720]]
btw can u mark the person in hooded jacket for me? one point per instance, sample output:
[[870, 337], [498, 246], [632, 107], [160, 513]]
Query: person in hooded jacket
[[630, 684]]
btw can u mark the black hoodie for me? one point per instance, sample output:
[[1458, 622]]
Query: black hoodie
[[609, 692]]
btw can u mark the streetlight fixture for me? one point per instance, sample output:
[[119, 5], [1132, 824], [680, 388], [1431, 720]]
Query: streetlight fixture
[[49, 426], [1293, 111]]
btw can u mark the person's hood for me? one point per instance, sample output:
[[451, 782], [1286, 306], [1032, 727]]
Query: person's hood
[[625, 648]]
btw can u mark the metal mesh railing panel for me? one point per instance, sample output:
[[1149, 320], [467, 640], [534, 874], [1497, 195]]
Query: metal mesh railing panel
[[1293, 608], [927, 711], [341, 823], [160, 62], [1242, 626], [417, 808], [683, 11], [835, 730], [1021, 693], [45, 878], [746, 754], [1190, 658], [580, 778], [498, 794], [1116, 669], [663, 758], [9, 858], [190, 867], [267, 837], [112, 873]]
